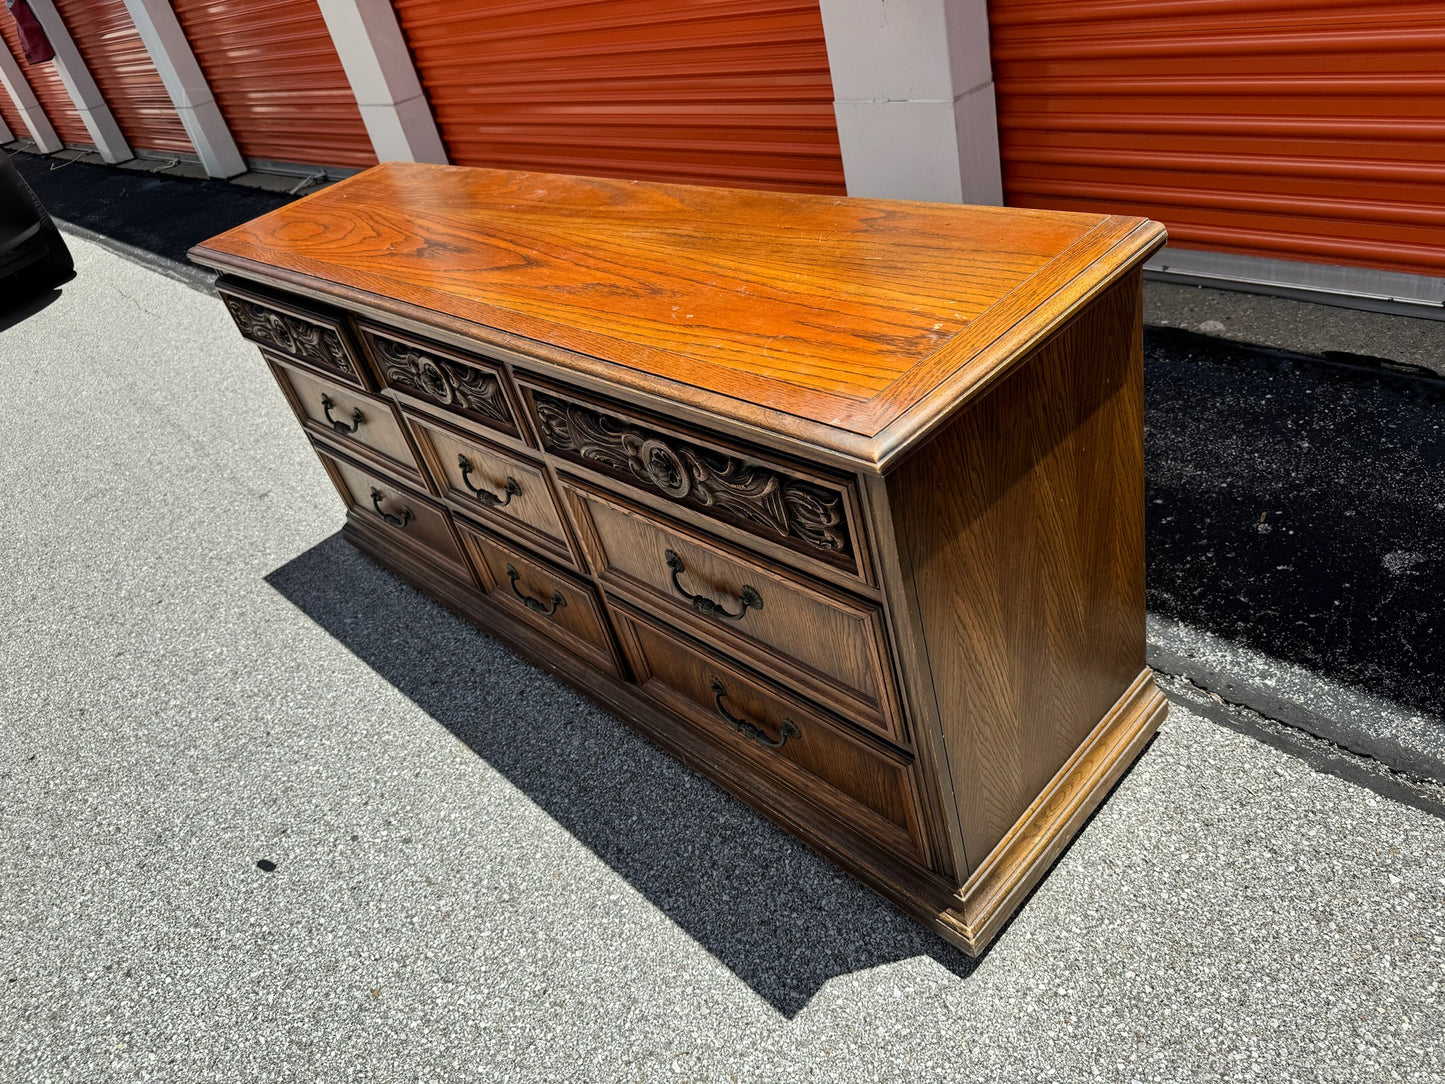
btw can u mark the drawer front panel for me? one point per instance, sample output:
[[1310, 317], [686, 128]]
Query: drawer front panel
[[405, 515], [559, 606], [497, 486], [471, 387], [794, 740], [804, 514], [362, 423], [832, 645], [311, 337]]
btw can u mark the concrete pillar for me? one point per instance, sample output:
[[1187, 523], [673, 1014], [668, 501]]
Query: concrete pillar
[[181, 73], [913, 94], [71, 68], [379, 67], [6, 135], [18, 87]]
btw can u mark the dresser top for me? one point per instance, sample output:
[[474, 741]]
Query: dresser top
[[853, 324]]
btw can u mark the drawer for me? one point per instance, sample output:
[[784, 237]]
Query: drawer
[[507, 492], [463, 384], [811, 636], [405, 516], [789, 506], [860, 781], [366, 426], [562, 608], [302, 333]]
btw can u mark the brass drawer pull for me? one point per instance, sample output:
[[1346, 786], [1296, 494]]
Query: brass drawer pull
[[789, 729], [395, 521], [357, 418], [706, 606], [490, 499], [537, 606]]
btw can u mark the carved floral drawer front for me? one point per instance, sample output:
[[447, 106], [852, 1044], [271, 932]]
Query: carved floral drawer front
[[363, 424], [561, 607], [503, 489], [863, 783], [815, 639], [471, 387], [311, 338], [405, 516], [805, 514]]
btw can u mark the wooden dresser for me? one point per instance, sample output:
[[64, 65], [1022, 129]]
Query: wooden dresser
[[839, 500]]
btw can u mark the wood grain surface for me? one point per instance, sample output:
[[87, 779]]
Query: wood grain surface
[[816, 306], [1025, 531]]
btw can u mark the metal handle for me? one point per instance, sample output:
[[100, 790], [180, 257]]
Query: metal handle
[[487, 497], [395, 521], [789, 729], [706, 606], [537, 606], [357, 418]]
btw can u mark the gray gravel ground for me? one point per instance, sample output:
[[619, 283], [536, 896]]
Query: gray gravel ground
[[480, 876]]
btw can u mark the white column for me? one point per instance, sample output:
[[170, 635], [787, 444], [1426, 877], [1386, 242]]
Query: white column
[[181, 73], [71, 68], [6, 135], [913, 94], [18, 87], [379, 67]]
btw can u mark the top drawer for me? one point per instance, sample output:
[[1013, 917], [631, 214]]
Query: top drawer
[[304, 334], [462, 384], [790, 506]]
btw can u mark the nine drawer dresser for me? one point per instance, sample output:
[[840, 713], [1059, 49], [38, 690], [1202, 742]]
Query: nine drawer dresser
[[839, 500]]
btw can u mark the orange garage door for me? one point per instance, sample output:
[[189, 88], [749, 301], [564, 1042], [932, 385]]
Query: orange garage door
[[49, 90], [278, 80], [1297, 129], [731, 92], [118, 61]]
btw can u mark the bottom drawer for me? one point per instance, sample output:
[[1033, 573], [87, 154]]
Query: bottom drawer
[[402, 513], [562, 608], [859, 781]]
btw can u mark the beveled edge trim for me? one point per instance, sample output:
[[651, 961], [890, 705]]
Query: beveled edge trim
[[1019, 861], [975, 371], [869, 432]]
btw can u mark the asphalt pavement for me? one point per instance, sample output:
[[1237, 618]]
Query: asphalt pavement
[[267, 813]]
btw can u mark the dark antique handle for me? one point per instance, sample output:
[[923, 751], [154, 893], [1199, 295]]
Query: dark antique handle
[[706, 606], [537, 606], [357, 417], [395, 521], [490, 499], [789, 729]]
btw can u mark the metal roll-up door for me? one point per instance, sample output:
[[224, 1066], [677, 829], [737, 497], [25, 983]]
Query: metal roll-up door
[[1293, 129], [107, 38], [13, 120], [732, 92], [278, 81], [49, 91]]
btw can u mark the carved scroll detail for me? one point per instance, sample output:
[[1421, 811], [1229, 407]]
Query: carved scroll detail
[[460, 387], [299, 338], [759, 495]]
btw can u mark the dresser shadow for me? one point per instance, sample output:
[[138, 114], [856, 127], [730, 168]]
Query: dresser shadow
[[779, 916]]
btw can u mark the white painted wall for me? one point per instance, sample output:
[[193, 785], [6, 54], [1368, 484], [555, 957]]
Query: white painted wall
[[71, 68], [190, 93], [18, 87], [913, 95], [379, 67]]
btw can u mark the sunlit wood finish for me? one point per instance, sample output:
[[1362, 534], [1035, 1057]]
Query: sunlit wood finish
[[839, 500]]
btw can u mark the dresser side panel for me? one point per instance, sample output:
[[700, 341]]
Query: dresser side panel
[[1023, 524]]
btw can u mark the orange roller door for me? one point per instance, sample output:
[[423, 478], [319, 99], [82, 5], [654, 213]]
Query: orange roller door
[[118, 61], [49, 90], [278, 80], [1282, 128], [731, 92], [13, 120]]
